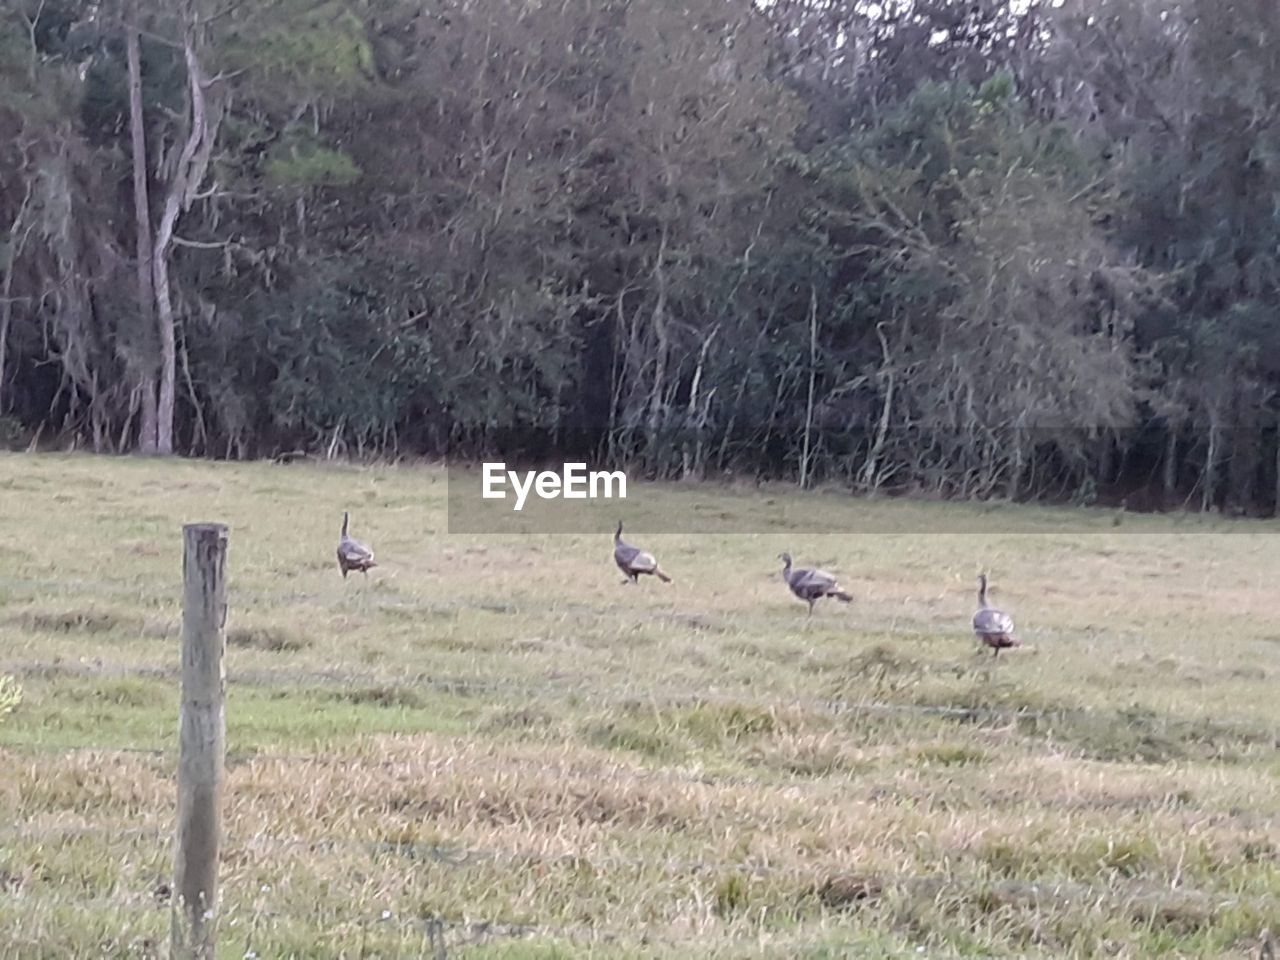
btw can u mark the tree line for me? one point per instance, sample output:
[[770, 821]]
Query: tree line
[[979, 249]]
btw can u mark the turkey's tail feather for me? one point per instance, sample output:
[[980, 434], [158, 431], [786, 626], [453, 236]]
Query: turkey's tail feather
[[657, 571], [841, 596]]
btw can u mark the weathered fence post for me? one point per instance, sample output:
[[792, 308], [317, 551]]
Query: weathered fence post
[[202, 741]]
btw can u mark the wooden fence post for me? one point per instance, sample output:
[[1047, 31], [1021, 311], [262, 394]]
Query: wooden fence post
[[202, 741]]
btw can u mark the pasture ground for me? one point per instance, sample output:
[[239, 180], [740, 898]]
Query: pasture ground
[[493, 749]]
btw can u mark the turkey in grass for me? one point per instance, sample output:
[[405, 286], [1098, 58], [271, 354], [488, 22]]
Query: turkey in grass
[[633, 561], [992, 626], [811, 584], [352, 554]]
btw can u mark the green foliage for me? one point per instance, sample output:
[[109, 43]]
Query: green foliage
[[339, 361], [1019, 252], [996, 92], [305, 163], [299, 48], [964, 238]]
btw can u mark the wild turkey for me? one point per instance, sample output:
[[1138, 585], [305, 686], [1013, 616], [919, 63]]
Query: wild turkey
[[993, 627], [352, 554], [633, 561], [810, 584]]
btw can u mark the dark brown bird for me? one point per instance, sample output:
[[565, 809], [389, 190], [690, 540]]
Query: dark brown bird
[[993, 627], [352, 554], [633, 561], [811, 584]]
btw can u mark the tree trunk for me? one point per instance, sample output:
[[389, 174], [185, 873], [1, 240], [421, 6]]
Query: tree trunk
[[691, 463], [813, 373], [190, 170], [148, 419], [617, 373], [1170, 477], [148, 423], [1208, 489], [168, 356], [871, 470], [660, 353]]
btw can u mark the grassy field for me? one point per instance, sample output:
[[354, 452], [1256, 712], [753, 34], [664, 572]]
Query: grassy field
[[493, 749]]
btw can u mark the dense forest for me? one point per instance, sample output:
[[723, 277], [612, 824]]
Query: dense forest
[[960, 249]]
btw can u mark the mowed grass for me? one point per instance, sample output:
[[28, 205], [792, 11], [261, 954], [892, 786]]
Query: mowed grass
[[493, 749]]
